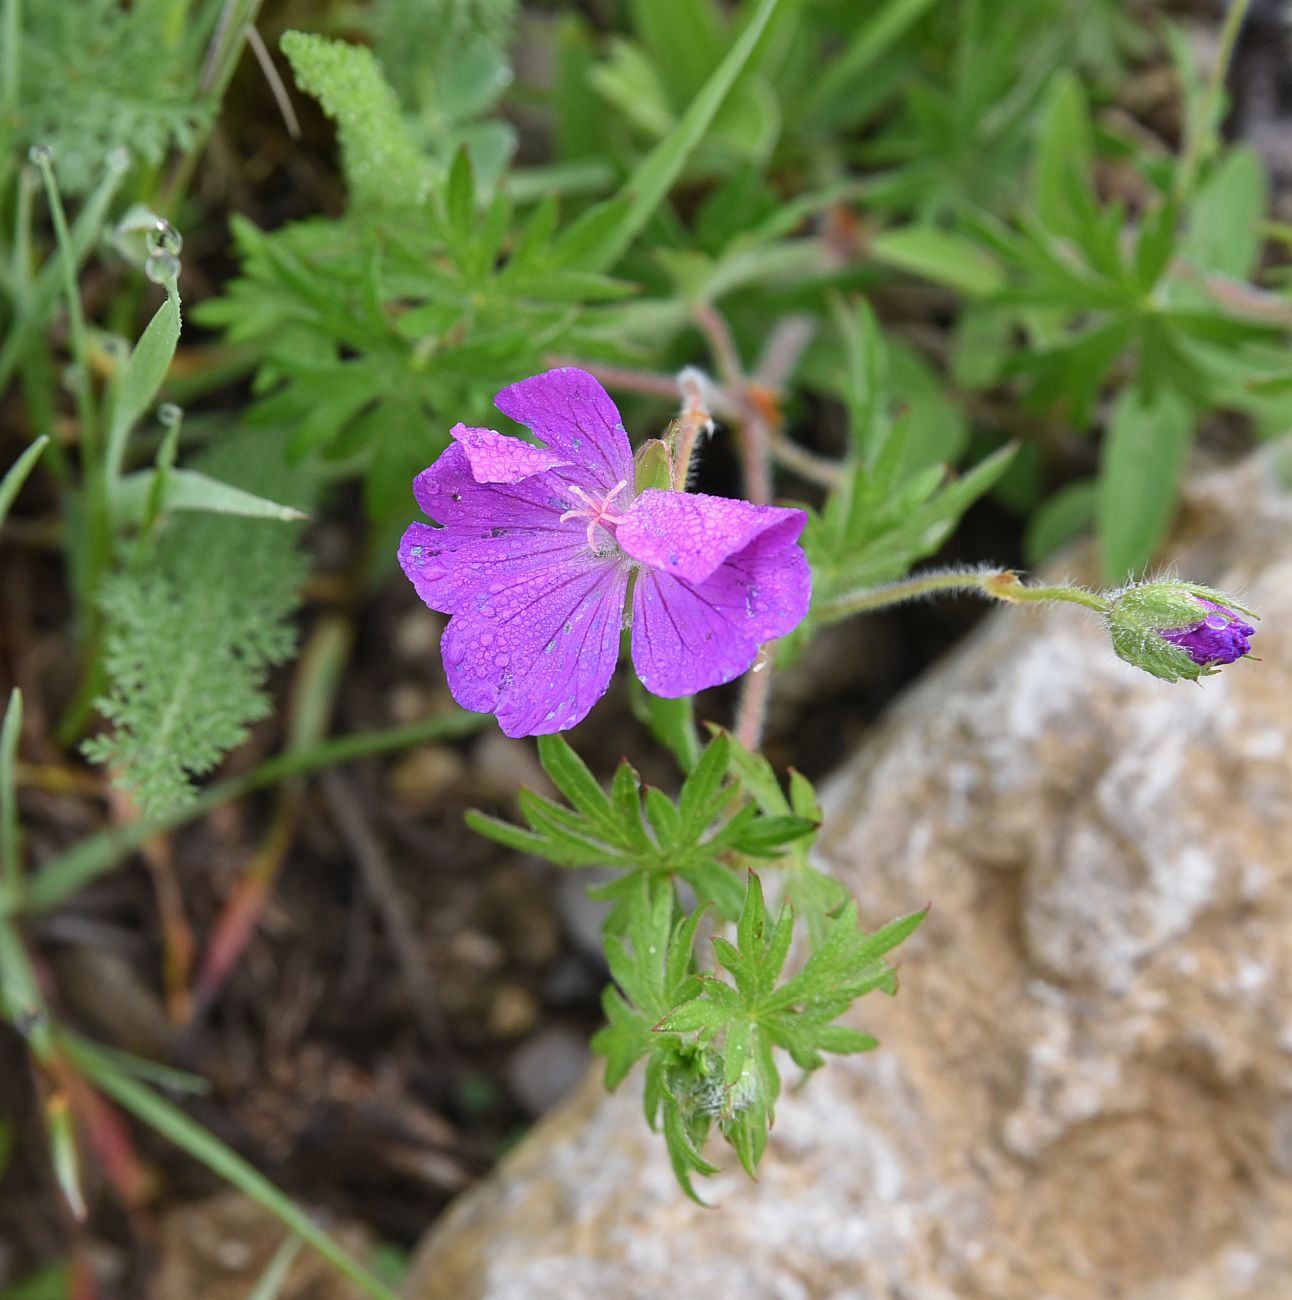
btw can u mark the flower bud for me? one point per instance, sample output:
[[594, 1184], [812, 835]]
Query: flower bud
[[1178, 630], [653, 466]]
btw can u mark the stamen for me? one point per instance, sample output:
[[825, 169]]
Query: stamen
[[598, 513]]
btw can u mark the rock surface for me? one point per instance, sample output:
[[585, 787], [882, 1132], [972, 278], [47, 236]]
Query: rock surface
[[1085, 1086]]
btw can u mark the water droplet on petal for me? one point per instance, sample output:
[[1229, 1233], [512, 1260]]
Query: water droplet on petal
[[454, 653]]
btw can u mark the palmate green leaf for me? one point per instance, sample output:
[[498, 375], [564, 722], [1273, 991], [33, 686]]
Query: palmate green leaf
[[734, 1021], [444, 56], [700, 837], [813, 895], [865, 537], [652, 965]]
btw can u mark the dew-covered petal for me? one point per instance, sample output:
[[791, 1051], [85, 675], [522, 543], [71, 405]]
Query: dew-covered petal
[[451, 567], [450, 494], [570, 411], [1220, 638], [690, 636], [495, 458], [540, 651], [688, 534]]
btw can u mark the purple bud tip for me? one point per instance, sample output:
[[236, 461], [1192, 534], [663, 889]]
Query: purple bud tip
[[1218, 638]]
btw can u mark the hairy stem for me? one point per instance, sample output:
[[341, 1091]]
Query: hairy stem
[[994, 584]]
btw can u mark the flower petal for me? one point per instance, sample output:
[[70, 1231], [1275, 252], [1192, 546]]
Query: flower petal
[[570, 411], [495, 458], [453, 569], [540, 650], [688, 534], [690, 636], [449, 492]]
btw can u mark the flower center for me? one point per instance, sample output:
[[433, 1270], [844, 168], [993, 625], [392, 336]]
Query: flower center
[[597, 513]]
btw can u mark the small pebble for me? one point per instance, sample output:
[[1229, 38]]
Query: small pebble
[[421, 780], [513, 1012], [417, 634], [546, 1067]]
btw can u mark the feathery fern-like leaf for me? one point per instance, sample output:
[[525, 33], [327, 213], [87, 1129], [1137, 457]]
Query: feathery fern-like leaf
[[193, 627], [98, 75]]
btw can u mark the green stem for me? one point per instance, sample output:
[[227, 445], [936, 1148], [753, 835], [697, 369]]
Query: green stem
[[96, 535], [75, 316], [21, 1002], [995, 584], [98, 854], [1207, 124], [11, 881]]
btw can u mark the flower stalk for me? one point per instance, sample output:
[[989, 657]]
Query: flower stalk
[[993, 584]]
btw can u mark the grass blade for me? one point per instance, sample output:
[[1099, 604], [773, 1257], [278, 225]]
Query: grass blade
[[17, 473], [191, 1137], [650, 183]]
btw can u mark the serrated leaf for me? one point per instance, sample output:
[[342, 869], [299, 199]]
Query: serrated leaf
[[570, 775], [768, 835], [700, 1015], [663, 818], [696, 804]]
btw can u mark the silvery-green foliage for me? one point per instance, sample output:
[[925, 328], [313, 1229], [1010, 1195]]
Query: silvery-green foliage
[[194, 623], [99, 75]]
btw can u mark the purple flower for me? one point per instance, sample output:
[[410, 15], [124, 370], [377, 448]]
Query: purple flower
[[537, 548], [1218, 638]]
